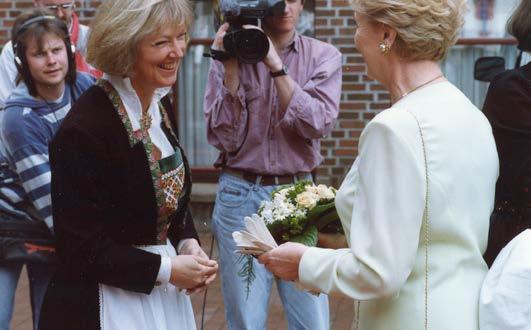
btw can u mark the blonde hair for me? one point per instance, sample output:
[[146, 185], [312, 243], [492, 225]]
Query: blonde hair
[[120, 24], [426, 29]]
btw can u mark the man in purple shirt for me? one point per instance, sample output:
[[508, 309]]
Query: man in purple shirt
[[267, 124]]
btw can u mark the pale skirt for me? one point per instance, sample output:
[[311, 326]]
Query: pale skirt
[[165, 308]]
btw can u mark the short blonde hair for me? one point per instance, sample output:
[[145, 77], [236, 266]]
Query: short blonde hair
[[426, 29], [119, 25]]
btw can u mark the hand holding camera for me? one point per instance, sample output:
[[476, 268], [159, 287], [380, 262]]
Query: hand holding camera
[[241, 38], [271, 59]]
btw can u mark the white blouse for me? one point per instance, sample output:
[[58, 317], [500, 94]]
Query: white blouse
[[133, 107]]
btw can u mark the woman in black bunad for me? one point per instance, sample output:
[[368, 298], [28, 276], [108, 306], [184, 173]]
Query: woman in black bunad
[[121, 184]]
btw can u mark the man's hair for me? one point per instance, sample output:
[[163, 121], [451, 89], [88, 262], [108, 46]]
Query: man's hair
[[519, 25], [35, 24], [426, 29], [120, 25]]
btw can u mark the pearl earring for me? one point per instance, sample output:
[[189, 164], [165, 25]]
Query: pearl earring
[[384, 47]]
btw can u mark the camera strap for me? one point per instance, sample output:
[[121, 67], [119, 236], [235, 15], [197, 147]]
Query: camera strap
[[218, 55]]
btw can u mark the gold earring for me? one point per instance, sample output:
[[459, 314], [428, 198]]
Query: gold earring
[[384, 47]]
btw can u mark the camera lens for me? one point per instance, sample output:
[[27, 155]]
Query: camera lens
[[248, 45]]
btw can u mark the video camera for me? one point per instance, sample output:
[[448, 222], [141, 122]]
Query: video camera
[[247, 45]]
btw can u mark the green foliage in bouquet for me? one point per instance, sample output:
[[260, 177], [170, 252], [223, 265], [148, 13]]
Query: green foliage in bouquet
[[296, 213]]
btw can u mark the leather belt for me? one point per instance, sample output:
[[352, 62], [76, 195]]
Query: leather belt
[[266, 179]]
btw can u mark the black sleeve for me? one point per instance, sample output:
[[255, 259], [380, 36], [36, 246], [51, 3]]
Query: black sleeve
[[80, 209]]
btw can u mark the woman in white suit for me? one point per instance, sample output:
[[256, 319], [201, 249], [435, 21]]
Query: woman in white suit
[[415, 204]]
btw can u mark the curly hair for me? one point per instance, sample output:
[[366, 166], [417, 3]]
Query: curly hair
[[120, 25], [426, 29]]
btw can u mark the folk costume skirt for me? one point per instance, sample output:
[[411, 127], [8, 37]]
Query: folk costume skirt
[[165, 308]]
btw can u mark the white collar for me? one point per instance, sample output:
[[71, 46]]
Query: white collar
[[131, 100]]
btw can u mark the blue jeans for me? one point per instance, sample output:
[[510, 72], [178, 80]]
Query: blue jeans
[[237, 198], [39, 275]]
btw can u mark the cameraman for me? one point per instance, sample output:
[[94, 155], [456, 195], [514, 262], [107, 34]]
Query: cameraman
[[267, 124]]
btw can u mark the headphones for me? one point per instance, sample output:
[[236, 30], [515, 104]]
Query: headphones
[[19, 49]]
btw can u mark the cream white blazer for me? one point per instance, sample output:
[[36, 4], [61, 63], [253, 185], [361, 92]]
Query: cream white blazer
[[381, 204]]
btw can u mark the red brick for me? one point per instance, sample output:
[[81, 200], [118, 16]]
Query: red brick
[[328, 143], [352, 124], [343, 41], [340, 3], [23, 4], [339, 170], [337, 21], [377, 87], [346, 12], [322, 171], [353, 68], [355, 59], [329, 162], [325, 32], [338, 134], [324, 12], [350, 77], [383, 97], [379, 105], [347, 31], [346, 161], [345, 152], [368, 115], [353, 105], [347, 143], [353, 87], [354, 134], [348, 49]]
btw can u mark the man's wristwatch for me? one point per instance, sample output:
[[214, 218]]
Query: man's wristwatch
[[282, 72]]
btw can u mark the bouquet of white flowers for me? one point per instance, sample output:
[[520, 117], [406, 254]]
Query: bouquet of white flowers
[[295, 213]]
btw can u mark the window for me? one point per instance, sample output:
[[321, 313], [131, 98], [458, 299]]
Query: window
[[484, 34]]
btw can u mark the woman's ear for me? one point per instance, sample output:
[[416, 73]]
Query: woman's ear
[[388, 35]]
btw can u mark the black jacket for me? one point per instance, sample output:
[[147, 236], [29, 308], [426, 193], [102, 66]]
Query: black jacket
[[508, 108], [103, 203]]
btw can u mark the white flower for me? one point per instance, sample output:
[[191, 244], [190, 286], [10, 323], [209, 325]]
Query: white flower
[[306, 199], [323, 192], [267, 214], [311, 188], [300, 212]]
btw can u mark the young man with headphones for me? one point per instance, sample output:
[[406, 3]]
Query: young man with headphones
[[49, 84], [63, 10]]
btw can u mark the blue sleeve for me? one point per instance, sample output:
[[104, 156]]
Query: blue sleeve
[[83, 82], [26, 146]]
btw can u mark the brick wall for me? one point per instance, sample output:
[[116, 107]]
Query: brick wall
[[9, 9], [361, 98]]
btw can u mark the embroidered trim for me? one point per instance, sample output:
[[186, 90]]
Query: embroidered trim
[[163, 184]]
